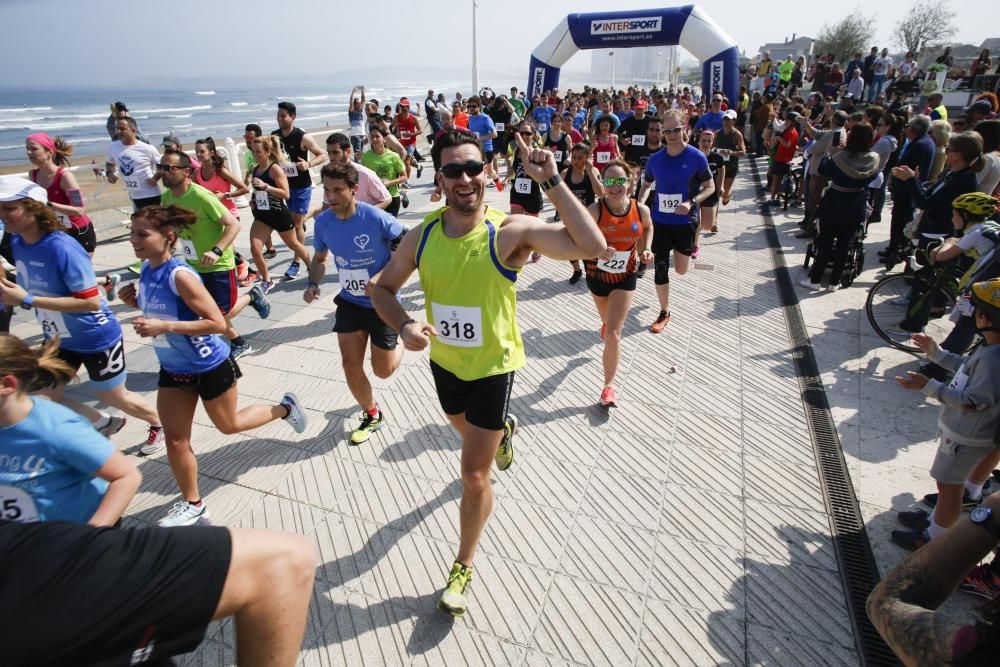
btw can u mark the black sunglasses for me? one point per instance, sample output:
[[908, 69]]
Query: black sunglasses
[[168, 167], [673, 130], [471, 169]]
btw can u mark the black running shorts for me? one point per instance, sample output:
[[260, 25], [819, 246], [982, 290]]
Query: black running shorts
[[672, 237], [484, 401], [209, 385], [351, 317], [72, 594]]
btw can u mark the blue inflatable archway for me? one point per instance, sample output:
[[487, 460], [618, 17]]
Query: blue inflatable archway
[[686, 26]]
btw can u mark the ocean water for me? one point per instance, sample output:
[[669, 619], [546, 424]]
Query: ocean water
[[79, 116]]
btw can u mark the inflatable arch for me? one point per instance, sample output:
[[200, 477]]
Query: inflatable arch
[[686, 26]]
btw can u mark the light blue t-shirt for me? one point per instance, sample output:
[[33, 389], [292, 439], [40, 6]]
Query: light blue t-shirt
[[56, 266], [159, 299], [482, 124], [361, 247], [47, 466]]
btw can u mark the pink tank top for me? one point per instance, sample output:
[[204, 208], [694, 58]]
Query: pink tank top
[[218, 185], [59, 196]]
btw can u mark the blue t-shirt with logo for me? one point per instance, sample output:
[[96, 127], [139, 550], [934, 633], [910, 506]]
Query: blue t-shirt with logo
[[482, 124], [678, 179], [543, 118], [361, 247], [159, 299], [47, 466], [58, 266]]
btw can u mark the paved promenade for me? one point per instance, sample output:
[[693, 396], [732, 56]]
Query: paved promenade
[[687, 527]]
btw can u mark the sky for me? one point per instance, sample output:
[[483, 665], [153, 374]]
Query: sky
[[106, 43]]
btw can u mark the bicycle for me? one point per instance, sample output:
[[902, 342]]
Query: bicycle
[[902, 304]]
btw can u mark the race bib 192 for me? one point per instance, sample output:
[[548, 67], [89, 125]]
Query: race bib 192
[[669, 203], [459, 326]]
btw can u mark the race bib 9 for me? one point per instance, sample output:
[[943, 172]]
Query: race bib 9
[[261, 201], [604, 156], [52, 323], [187, 248], [353, 281], [290, 169], [616, 264], [522, 186], [458, 326], [638, 139], [16, 505], [669, 203]]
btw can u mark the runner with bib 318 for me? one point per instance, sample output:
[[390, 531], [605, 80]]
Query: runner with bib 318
[[469, 256]]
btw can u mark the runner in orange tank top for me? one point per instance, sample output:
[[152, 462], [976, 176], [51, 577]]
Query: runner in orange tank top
[[611, 278]]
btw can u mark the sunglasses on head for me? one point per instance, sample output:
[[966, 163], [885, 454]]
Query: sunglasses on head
[[614, 181], [169, 167], [456, 169]]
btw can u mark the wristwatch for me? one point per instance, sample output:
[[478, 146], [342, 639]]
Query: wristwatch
[[983, 516], [550, 182], [27, 301], [217, 250]]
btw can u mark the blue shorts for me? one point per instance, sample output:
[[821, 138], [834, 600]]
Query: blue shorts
[[222, 286], [299, 200]]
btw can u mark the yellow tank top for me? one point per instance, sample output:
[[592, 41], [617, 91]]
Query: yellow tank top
[[470, 298]]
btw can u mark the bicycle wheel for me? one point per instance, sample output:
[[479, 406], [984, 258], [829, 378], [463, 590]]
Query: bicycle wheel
[[886, 307]]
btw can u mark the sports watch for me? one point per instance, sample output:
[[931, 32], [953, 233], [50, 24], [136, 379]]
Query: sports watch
[[983, 516], [27, 301]]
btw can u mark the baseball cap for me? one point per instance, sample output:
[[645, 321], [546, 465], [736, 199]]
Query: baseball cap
[[982, 106], [170, 140], [404, 102], [15, 188], [641, 104], [730, 114]]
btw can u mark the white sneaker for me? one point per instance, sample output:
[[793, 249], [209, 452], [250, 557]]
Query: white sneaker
[[832, 288], [296, 417], [184, 514], [805, 282], [116, 424], [155, 442]]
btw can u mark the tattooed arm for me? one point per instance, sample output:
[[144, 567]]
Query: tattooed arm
[[902, 606]]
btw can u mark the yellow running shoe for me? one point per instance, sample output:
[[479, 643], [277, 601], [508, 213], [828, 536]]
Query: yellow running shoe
[[505, 452], [453, 599], [368, 426]]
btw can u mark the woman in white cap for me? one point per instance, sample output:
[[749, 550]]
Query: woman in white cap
[[55, 278]]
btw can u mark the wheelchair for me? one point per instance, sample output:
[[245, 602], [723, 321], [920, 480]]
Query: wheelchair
[[855, 263], [791, 186]]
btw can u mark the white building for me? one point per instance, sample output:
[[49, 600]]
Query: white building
[[794, 47]]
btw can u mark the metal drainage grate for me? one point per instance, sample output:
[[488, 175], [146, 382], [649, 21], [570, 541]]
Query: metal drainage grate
[[858, 570]]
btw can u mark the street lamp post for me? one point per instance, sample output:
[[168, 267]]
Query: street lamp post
[[659, 63], [611, 54], [475, 52]]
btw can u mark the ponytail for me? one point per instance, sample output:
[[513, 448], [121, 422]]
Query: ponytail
[[34, 369], [63, 150]]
